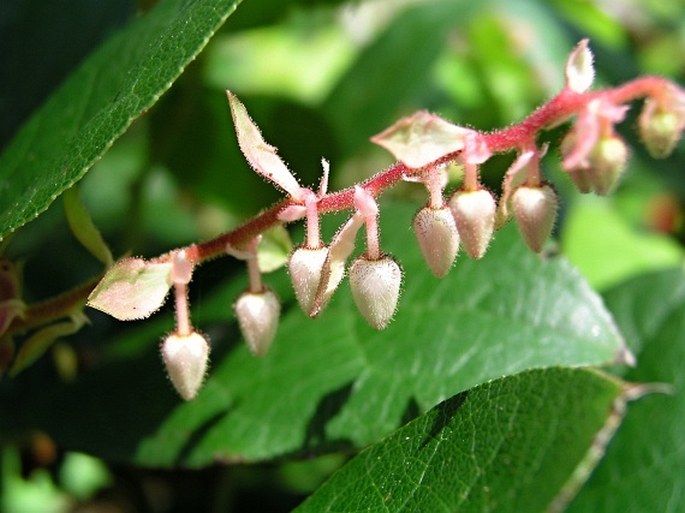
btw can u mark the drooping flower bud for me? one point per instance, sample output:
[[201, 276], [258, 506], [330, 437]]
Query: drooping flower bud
[[438, 238], [660, 129], [474, 213], [535, 209], [305, 267], [185, 358], [376, 288], [258, 314], [607, 164]]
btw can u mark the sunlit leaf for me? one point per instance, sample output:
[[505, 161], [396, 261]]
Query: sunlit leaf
[[132, 289], [261, 155], [422, 138]]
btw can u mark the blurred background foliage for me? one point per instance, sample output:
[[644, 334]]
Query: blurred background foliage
[[319, 77]]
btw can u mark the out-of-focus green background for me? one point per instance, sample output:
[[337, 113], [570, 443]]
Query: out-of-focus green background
[[320, 78]]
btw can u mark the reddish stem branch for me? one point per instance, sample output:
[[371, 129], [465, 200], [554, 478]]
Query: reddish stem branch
[[518, 136], [515, 137]]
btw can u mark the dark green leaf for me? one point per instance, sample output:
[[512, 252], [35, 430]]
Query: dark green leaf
[[99, 101], [509, 445], [644, 467], [508, 312]]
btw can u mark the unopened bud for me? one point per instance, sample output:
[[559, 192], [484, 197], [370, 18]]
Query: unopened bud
[[660, 130], [376, 288], [535, 209], [438, 238], [258, 314], [474, 213], [305, 267], [185, 358], [580, 173], [607, 163]]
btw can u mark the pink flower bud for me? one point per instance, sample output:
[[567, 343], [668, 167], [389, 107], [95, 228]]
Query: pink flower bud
[[607, 163], [185, 358], [438, 238], [660, 129], [258, 314], [535, 209], [376, 288], [474, 213], [305, 267]]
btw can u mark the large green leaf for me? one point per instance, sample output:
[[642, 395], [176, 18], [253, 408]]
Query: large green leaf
[[335, 381], [510, 445], [644, 467], [99, 101]]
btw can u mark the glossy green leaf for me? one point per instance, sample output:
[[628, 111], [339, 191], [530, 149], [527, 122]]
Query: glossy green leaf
[[644, 467], [99, 101], [508, 312], [509, 445]]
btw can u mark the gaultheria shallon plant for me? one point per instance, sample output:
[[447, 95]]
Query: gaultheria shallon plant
[[593, 155]]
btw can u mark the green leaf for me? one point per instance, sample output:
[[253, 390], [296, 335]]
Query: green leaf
[[612, 250], [39, 342], [644, 467], [84, 229], [366, 99], [99, 101], [509, 445], [132, 289], [421, 138], [508, 312]]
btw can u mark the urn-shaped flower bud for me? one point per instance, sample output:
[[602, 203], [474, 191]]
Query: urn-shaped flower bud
[[474, 213], [305, 267], [607, 163], [258, 314], [376, 288], [438, 238], [185, 358], [660, 129], [535, 209]]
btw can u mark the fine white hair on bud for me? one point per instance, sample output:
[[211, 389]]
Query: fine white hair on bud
[[305, 267], [258, 314], [607, 163], [185, 358], [474, 213], [535, 210], [376, 288], [436, 232], [661, 128]]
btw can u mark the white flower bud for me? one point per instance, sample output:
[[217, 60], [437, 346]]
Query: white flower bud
[[376, 288], [258, 314], [474, 213], [607, 163], [660, 129], [185, 358], [305, 267], [438, 238], [535, 209]]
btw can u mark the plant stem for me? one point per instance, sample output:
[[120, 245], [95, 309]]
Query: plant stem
[[566, 104]]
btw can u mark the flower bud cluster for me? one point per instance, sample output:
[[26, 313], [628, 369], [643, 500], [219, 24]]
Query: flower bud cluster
[[593, 155]]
